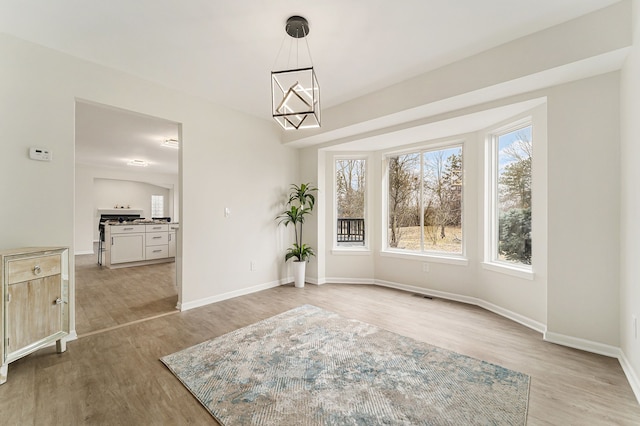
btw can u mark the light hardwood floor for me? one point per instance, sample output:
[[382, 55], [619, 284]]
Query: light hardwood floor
[[116, 378], [107, 298]]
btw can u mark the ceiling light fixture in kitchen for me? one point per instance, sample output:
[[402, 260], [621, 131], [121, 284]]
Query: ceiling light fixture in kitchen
[[171, 143], [138, 163], [295, 94]]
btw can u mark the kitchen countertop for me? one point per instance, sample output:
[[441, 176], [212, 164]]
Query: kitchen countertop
[[125, 223]]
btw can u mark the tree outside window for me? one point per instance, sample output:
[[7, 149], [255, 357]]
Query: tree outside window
[[350, 202], [425, 200], [514, 155]]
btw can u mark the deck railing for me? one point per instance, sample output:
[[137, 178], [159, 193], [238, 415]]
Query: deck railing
[[350, 230]]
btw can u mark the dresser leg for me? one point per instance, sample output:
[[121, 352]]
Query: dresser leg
[[3, 373], [61, 345]]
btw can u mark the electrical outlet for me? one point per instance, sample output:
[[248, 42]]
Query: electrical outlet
[[425, 267], [252, 265], [635, 326], [227, 212]]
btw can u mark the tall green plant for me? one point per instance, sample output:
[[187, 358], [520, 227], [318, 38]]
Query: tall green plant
[[300, 204]]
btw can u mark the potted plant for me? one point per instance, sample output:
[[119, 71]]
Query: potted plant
[[300, 204]]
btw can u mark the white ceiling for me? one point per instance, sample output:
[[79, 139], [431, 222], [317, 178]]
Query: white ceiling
[[223, 50], [111, 137]]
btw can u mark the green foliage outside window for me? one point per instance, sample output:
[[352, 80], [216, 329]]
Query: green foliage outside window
[[515, 235], [514, 192]]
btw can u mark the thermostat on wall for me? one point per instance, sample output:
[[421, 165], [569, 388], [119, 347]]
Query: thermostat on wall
[[40, 154]]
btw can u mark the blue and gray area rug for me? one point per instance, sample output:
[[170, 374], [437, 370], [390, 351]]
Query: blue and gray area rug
[[309, 366]]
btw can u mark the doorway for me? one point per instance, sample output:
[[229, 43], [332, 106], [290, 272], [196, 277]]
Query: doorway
[[108, 141]]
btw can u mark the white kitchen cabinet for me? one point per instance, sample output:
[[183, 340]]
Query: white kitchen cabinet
[[163, 227], [125, 244], [157, 238], [137, 244], [157, 242], [127, 248], [157, 252], [34, 307]]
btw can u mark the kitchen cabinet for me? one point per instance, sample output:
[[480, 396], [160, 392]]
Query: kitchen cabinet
[[125, 244], [34, 307], [137, 244], [157, 241]]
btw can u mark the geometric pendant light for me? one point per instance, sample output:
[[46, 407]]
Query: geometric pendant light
[[295, 94]]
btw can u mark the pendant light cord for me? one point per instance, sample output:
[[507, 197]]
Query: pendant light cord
[[279, 52], [290, 48], [307, 42]]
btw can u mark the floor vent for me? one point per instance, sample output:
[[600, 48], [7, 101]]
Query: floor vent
[[423, 296]]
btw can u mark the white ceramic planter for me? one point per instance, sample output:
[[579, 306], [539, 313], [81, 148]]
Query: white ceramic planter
[[299, 269]]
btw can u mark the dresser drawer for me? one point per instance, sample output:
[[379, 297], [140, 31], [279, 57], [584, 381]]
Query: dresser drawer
[[157, 228], [157, 252], [127, 229], [157, 238], [32, 268]]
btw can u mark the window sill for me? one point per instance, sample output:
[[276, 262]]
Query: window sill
[[450, 260], [349, 251], [515, 271]]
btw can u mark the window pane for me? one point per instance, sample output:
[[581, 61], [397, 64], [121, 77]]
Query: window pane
[[157, 206], [404, 208], [442, 200], [514, 197], [350, 201]]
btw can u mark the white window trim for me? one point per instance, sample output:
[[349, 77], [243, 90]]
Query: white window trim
[[491, 262], [441, 257], [351, 251], [355, 250], [433, 257], [515, 270]]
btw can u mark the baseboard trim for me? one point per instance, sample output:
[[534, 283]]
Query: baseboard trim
[[520, 319], [82, 252], [583, 344], [230, 295], [333, 280], [632, 377], [427, 292]]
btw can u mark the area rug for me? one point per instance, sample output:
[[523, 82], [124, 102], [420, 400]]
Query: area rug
[[309, 366]]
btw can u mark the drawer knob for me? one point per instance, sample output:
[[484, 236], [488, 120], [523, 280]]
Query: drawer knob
[[37, 270]]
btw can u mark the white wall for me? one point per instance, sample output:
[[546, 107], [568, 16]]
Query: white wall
[[108, 193], [524, 298], [583, 239], [228, 160], [311, 170], [574, 292], [469, 281], [630, 206], [348, 266]]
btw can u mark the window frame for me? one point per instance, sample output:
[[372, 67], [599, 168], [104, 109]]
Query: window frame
[[491, 226], [355, 250], [430, 255]]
